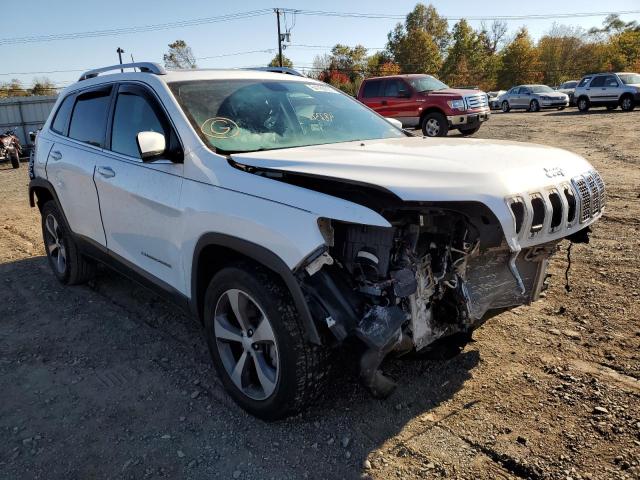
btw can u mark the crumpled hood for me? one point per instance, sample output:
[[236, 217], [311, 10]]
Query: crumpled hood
[[428, 169], [434, 169]]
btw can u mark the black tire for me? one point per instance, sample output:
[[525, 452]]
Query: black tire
[[435, 124], [626, 103], [302, 368], [77, 269], [505, 106], [583, 104], [534, 106], [469, 131], [15, 159]]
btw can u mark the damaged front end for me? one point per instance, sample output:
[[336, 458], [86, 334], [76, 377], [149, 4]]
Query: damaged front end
[[439, 271]]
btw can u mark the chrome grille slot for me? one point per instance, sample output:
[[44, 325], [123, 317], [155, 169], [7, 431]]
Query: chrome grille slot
[[601, 189], [585, 198], [476, 101], [539, 213], [571, 204], [518, 210], [595, 194], [556, 212]]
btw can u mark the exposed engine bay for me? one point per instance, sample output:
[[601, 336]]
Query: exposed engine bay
[[437, 272]]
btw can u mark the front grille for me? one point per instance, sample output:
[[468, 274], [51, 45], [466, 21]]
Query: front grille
[[585, 198], [595, 194], [476, 101], [600, 185]]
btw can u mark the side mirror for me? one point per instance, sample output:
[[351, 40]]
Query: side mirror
[[404, 94], [151, 145], [32, 136]]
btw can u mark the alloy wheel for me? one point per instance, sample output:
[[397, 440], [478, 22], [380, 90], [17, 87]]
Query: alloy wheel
[[626, 103], [246, 344], [433, 127], [54, 244]]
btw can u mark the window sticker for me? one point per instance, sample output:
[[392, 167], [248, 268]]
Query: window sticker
[[220, 127], [321, 88]]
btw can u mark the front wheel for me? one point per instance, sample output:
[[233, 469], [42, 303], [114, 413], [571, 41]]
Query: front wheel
[[627, 104], [505, 106], [15, 159], [435, 124], [534, 106], [256, 341], [583, 104], [469, 131]]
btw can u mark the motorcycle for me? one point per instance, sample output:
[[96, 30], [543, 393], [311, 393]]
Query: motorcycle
[[10, 148]]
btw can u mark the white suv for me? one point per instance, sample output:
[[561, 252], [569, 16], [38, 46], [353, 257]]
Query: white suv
[[291, 219], [608, 90]]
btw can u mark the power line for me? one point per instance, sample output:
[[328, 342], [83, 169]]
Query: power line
[[135, 29], [476, 18]]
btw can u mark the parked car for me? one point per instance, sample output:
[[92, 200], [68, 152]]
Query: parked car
[[495, 99], [609, 90], [291, 220], [10, 148], [533, 98], [425, 102], [569, 88]]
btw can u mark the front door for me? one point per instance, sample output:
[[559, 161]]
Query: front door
[[140, 201]]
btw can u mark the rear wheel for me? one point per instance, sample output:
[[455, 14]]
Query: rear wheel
[[15, 159], [534, 106], [505, 106], [435, 124], [469, 131], [67, 263], [257, 343], [583, 104], [626, 103]]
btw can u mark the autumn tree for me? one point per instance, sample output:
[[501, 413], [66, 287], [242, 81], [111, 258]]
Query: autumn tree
[[179, 56], [275, 62], [559, 54], [381, 64], [519, 62], [466, 57], [419, 44], [14, 88], [42, 86]]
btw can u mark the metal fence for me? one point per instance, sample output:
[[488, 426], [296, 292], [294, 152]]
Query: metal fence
[[24, 114]]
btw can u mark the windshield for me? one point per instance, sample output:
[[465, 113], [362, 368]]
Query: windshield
[[236, 116], [630, 78], [569, 84], [426, 84], [541, 89]]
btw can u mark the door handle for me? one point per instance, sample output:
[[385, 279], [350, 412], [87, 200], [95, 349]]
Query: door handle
[[55, 155], [106, 172]]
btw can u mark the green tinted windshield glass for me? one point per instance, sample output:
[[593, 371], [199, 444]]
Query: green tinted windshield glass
[[541, 89], [426, 84], [630, 78], [248, 115]]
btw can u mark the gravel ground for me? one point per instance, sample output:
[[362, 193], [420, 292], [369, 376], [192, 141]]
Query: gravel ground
[[109, 381]]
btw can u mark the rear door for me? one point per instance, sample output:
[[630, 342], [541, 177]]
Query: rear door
[[78, 132], [612, 89], [597, 90], [140, 201]]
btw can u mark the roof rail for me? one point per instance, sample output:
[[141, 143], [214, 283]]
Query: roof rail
[[286, 70], [146, 67]]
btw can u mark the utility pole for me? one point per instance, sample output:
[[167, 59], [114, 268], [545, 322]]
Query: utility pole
[[277, 10], [120, 52]]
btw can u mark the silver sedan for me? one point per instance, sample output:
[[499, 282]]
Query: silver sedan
[[533, 98]]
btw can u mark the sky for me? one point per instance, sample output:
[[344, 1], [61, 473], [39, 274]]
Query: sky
[[225, 41]]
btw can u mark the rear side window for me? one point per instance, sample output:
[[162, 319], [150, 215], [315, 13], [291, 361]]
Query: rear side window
[[61, 120], [372, 89], [89, 118], [133, 114], [392, 88], [610, 81]]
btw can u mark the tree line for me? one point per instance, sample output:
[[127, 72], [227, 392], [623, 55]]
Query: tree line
[[39, 86], [487, 57]]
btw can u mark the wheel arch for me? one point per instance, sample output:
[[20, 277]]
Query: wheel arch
[[429, 110], [214, 251]]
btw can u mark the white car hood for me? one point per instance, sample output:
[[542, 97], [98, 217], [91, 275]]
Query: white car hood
[[434, 169]]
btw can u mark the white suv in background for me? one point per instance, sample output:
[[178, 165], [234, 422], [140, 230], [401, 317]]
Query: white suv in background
[[608, 90], [291, 220]]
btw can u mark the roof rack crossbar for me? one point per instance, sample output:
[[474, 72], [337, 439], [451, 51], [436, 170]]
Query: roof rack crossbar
[[146, 67]]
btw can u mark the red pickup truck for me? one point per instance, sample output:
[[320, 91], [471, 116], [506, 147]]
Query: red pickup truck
[[425, 102]]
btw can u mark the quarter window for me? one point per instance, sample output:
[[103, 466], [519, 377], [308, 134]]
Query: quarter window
[[133, 114], [61, 120], [89, 117], [610, 81], [393, 88]]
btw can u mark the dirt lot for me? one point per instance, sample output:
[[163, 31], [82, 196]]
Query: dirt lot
[[109, 381]]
